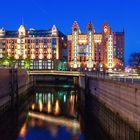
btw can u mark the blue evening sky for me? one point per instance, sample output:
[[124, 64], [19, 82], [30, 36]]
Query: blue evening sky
[[42, 14]]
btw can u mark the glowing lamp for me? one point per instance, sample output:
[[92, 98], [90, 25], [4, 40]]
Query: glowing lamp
[[49, 50], [16, 56], [33, 56], [75, 65], [41, 50], [24, 56], [49, 56], [41, 56]]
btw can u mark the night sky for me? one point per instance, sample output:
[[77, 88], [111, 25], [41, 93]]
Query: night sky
[[42, 14]]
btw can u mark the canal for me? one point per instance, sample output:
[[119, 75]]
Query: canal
[[51, 111], [52, 114]]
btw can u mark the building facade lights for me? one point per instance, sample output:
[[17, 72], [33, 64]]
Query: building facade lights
[[44, 45], [85, 51], [95, 51]]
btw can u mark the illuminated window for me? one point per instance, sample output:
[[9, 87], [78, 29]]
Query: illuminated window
[[49, 67], [45, 40], [37, 40], [75, 45]]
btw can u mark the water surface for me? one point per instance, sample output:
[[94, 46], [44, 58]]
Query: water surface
[[52, 115]]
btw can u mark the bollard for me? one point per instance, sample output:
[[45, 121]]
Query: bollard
[[132, 80], [125, 79]]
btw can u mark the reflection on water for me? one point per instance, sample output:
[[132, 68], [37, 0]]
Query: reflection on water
[[49, 107], [33, 106], [52, 116], [57, 107], [23, 130]]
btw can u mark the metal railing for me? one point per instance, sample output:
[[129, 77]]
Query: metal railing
[[132, 79]]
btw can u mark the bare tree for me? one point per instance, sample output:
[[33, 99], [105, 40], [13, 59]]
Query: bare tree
[[134, 60]]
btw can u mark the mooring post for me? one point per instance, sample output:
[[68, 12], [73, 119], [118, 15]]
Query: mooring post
[[86, 84], [12, 87], [16, 85]]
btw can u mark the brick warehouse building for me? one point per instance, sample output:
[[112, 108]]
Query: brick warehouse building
[[98, 51], [91, 50], [43, 47]]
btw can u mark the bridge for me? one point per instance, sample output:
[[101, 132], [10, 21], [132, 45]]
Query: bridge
[[55, 72]]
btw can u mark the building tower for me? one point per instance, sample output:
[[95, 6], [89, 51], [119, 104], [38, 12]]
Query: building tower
[[20, 50], [107, 44], [90, 45], [75, 35]]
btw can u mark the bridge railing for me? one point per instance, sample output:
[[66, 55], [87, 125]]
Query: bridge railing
[[133, 79], [55, 72]]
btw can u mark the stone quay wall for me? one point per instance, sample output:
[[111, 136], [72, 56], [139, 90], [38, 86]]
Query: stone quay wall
[[115, 106], [13, 82]]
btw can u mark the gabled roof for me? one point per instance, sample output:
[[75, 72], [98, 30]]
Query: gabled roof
[[33, 33]]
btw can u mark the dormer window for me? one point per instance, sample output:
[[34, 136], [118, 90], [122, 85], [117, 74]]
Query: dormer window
[[54, 31], [22, 31]]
